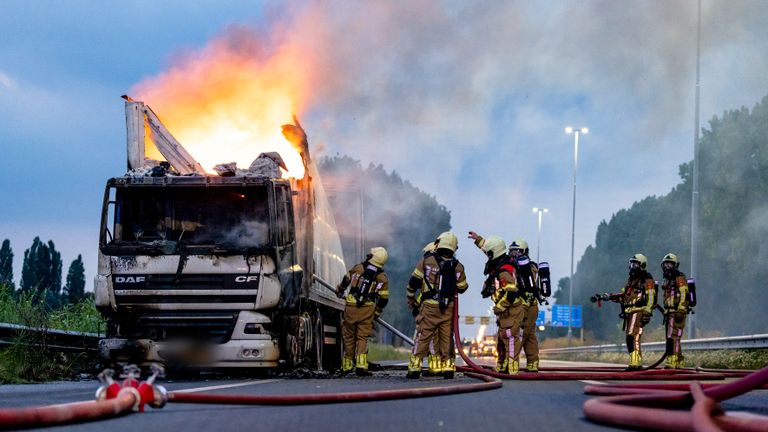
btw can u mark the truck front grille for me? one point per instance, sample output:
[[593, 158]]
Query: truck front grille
[[187, 292], [210, 326]]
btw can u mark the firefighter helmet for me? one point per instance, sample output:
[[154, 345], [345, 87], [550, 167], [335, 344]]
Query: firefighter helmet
[[429, 247], [379, 256], [447, 240], [519, 244], [494, 247], [670, 257], [640, 259]]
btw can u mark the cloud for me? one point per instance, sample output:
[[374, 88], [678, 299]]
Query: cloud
[[6, 81]]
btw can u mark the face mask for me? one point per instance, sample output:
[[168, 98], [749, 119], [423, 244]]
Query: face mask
[[668, 268]]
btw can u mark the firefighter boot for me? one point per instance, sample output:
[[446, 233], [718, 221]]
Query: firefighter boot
[[347, 364], [414, 368], [433, 361], [514, 367], [671, 362], [361, 368], [680, 362], [502, 365], [635, 360], [448, 369], [532, 366]]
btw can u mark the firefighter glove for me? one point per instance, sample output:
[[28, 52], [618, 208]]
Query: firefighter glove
[[377, 313], [339, 293], [415, 312], [488, 290]]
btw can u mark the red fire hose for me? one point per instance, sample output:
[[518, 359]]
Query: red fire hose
[[78, 412], [607, 390], [365, 396], [653, 406]]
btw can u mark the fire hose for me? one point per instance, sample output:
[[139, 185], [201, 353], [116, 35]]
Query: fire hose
[[116, 399], [636, 406], [657, 406]]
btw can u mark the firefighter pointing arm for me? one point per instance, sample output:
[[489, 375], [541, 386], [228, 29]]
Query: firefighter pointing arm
[[508, 303], [367, 297]]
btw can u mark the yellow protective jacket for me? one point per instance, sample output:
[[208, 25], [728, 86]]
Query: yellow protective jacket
[[639, 295], [426, 275], [507, 292], [676, 293], [379, 294]]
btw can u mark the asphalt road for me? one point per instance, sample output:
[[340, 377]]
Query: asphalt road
[[519, 405]]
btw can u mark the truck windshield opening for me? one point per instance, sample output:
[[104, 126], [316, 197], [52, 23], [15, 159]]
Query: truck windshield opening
[[220, 218]]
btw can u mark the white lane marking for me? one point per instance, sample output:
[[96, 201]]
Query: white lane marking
[[223, 386], [592, 382]]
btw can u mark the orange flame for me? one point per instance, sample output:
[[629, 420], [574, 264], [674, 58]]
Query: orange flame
[[227, 101]]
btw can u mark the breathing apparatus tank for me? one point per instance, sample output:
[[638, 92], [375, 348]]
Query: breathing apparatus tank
[[525, 273], [691, 294], [545, 284]]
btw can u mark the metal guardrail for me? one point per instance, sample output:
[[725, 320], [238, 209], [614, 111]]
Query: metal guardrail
[[53, 338], [721, 343]]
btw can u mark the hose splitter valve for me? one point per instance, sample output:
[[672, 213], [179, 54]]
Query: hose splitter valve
[[145, 392]]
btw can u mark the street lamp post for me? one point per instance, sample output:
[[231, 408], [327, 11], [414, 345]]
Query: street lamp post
[[540, 211], [575, 133]]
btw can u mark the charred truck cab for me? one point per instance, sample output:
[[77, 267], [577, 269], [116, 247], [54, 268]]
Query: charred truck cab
[[201, 270]]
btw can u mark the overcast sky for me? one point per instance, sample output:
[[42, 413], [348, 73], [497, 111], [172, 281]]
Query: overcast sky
[[467, 100]]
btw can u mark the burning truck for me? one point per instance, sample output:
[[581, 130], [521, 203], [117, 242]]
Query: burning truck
[[224, 269]]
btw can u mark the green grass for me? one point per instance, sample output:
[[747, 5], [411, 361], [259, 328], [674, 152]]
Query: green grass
[[379, 352], [719, 359], [29, 358], [81, 317]]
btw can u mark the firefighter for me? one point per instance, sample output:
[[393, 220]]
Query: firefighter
[[414, 302], [438, 276], [508, 304], [367, 297], [638, 300], [675, 289], [528, 281]]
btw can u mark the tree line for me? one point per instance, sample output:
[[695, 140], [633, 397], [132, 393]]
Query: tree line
[[731, 274], [41, 275]]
